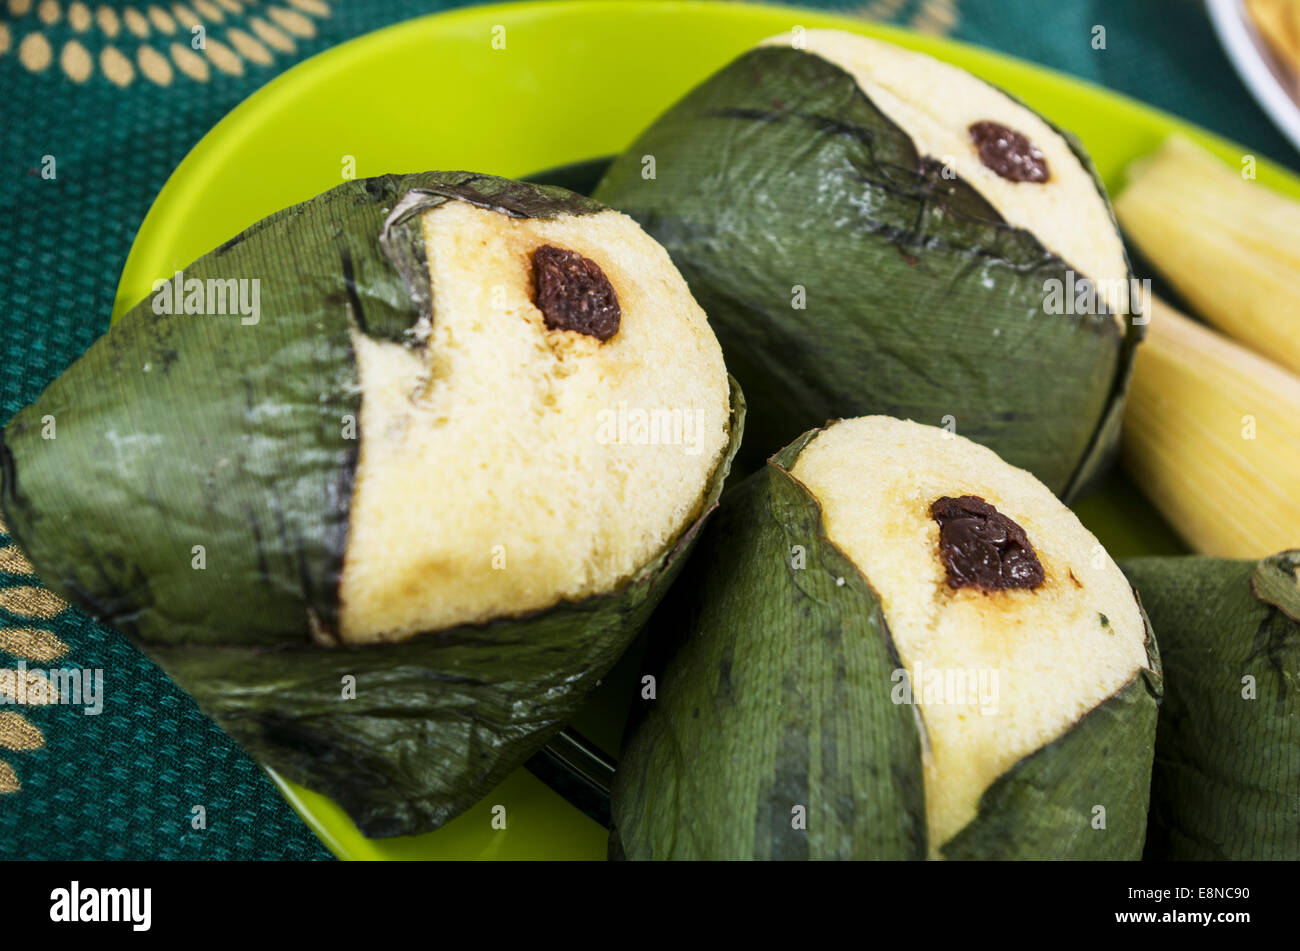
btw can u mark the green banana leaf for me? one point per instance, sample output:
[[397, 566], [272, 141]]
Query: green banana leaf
[[1226, 783], [188, 481], [778, 699], [236, 436], [1082, 796], [778, 695], [921, 301]]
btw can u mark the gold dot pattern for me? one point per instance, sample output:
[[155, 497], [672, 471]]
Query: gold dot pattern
[[79, 16], [34, 52], [291, 20], [254, 42], [116, 66], [880, 9], [135, 22], [248, 47], [32, 643], [162, 21], [224, 58], [31, 601], [18, 733], [154, 66], [209, 10], [272, 36], [185, 16], [75, 62], [935, 16], [107, 19], [14, 561], [36, 644], [190, 63]]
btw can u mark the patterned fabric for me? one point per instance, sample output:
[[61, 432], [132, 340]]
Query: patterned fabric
[[110, 96], [122, 784]]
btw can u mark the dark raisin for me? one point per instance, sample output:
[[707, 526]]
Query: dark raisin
[[573, 293], [1009, 153], [982, 548]]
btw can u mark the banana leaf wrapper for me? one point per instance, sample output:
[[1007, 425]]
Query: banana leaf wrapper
[[176, 431], [1226, 783], [922, 302], [777, 695]]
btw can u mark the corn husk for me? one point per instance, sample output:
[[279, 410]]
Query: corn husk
[[1278, 22], [1229, 245], [1226, 781], [1212, 437]]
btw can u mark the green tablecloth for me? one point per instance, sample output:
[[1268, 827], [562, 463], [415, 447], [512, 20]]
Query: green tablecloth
[[112, 94]]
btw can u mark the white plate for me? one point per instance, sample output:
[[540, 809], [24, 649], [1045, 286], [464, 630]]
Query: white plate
[[1255, 64]]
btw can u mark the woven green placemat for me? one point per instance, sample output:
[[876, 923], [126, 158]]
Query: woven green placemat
[[108, 97]]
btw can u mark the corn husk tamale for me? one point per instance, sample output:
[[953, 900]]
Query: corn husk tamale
[[1278, 23], [1212, 437], [1226, 781], [822, 588], [833, 213], [1228, 244], [207, 484]]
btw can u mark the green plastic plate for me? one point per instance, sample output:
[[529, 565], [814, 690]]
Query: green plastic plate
[[572, 81]]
